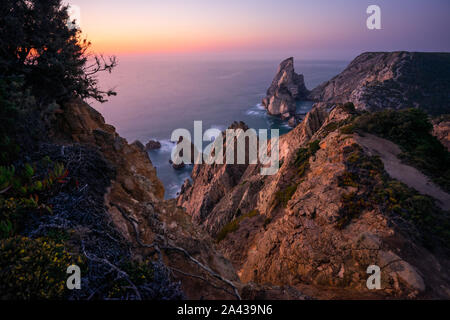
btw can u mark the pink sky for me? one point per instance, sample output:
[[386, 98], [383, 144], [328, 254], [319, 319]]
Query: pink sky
[[305, 28]]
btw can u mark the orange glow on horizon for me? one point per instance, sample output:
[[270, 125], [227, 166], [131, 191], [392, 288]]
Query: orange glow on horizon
[[174, 43]]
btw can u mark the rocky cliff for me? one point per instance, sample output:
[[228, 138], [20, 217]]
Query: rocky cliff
[[154, 228], [320, 221], [378, 80], [135, 205], [287, 87]]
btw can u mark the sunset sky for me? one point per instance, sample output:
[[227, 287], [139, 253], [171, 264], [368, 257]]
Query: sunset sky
[[263, 28]]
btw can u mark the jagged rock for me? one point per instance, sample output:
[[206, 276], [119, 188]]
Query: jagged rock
[[186, 185], [152, 145], [287, 87], [139, 193], [139, 144], [379, 80], [300, 242]]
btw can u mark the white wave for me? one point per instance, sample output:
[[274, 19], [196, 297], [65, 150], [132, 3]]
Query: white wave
[[254, 113], [173, 188], [166, 146], [257, 110]]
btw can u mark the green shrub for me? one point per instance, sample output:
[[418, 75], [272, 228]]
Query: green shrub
[[12, 211], [348, 107], [330, 127], [302, 157], [27, 190], [411, 130], [348, 129], [234, 225], [314, 147], [139, 273], [352, 205], [32, 268], [348, 179], [283, 196], [375, 189]]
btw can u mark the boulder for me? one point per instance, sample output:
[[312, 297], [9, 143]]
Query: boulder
[[152, 145], [177, 166]]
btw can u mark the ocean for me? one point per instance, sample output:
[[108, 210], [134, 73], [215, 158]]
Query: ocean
[[156, 96]]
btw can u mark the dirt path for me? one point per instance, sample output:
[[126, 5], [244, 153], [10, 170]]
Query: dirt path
[[410, 176]]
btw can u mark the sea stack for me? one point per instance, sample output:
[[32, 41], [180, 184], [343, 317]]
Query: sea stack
[[286, 89], [152, 145]]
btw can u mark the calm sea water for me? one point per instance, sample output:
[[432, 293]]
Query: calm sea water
[[157, 96]]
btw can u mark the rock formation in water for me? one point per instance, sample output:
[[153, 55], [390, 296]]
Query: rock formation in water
[[286, 89], [396, 80], [152, 145]]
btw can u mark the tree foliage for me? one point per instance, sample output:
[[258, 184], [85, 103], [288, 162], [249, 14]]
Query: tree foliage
[[39, 47]]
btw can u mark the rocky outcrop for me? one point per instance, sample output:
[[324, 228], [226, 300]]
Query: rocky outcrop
[[290, 231], [212, 186], [441, 129], [140, 214], [287, 87], [152, 145], [378, 80]]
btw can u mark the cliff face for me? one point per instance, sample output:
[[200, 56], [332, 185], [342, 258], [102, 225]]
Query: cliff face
[[287, 87], [219, 190], [378, 80], [137, 210], [290, 228]]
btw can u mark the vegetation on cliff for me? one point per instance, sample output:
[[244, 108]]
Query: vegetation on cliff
[[52, 211], [376, 190], [234, 224], [411, 129]]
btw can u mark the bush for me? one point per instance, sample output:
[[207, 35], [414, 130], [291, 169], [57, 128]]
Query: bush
[[348, 107], [302, 157], [26, 191], [411, 130], [375, 189], [140, 273], [283, 196], [348, 129], [32, 268], [234, 225]]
